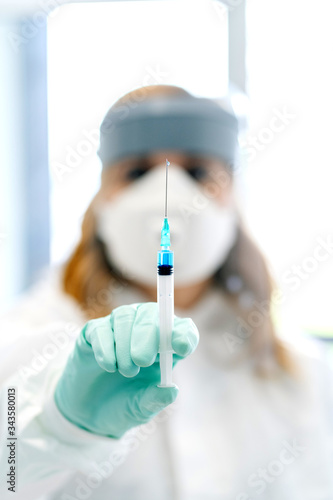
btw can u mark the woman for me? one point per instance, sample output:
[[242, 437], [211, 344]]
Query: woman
[[249, 418]]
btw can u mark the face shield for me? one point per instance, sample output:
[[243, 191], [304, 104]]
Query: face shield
[[203, 232], [195, 126]]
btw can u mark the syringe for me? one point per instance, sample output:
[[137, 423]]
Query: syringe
[[165, 297]]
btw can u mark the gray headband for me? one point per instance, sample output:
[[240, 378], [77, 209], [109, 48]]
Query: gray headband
[[193, 125]]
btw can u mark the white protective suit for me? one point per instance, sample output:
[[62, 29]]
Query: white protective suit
[[228, 436]]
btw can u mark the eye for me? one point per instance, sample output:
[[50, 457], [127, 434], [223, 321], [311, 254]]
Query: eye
[[135, 172], [198, 172]]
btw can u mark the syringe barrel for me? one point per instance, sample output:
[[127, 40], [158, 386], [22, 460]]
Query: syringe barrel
[[166, 310], [165, 299], [166, 362]]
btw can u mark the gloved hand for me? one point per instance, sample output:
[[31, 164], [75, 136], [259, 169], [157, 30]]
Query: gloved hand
[[109, 383]]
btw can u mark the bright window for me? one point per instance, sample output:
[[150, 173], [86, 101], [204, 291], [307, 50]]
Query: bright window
[[289, 149], [98, 52]]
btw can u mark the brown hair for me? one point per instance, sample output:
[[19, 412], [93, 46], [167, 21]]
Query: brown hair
[[244, 278]]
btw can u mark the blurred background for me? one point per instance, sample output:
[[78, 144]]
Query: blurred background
[[63, 64]]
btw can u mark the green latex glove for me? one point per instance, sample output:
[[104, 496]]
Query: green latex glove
[[109, 383]]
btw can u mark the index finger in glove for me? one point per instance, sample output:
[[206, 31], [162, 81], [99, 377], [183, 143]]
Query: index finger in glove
[[123, 319], [185, 336], [100, 336], [145, 339]]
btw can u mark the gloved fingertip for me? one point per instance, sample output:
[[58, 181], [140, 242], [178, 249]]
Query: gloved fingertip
[[157, 398], [129, 371], [170, 388], [185, 337], [106, 365]]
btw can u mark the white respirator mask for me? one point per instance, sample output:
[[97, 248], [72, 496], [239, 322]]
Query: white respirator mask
[[202, 232]]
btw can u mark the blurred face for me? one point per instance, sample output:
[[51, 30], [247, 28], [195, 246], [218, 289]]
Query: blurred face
[[129, 212], [212, 175]]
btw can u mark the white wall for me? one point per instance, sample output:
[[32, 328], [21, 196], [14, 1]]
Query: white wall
[[290, 171], [12, 217]]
